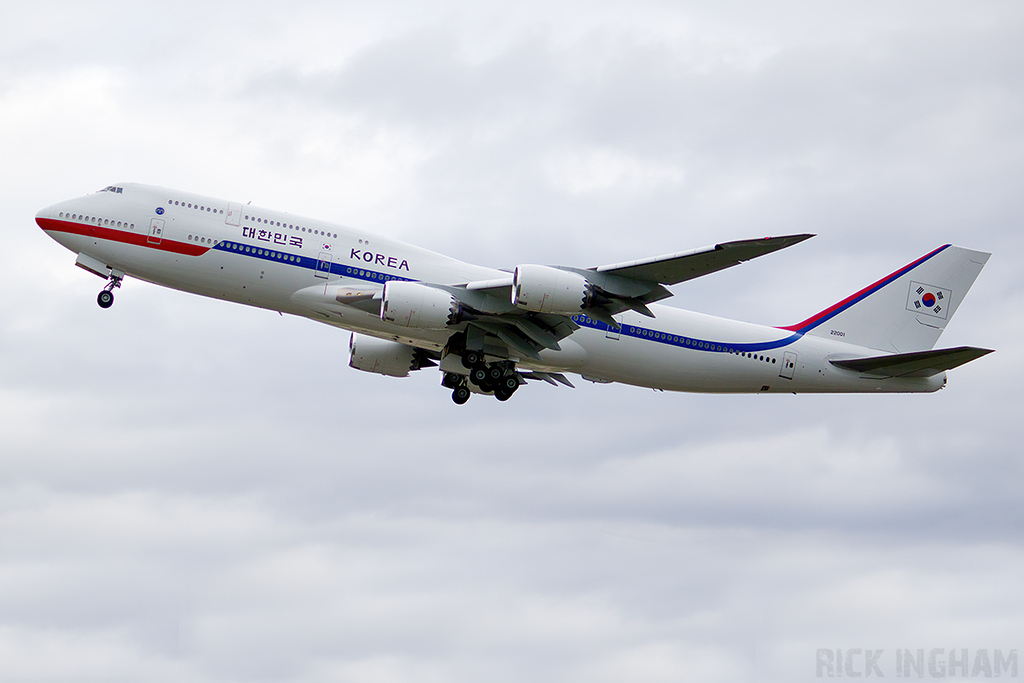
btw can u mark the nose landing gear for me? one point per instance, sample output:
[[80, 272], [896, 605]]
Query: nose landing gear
[[106, 297]]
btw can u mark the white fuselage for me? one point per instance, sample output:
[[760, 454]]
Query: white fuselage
[[282, 262]]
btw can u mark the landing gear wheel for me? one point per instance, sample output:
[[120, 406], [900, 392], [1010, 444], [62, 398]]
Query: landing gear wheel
[[495, 373], [471, 359], [509, 384], [502, 394], [460, 394], [106, 298], [478, 376]]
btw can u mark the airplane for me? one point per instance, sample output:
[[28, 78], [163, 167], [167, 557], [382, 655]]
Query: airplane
[[490, 331]]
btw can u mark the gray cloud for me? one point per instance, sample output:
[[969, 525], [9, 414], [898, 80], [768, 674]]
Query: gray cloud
[[193, 490]]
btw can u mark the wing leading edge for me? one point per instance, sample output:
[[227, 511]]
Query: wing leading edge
[[669, 269], [672, 269]]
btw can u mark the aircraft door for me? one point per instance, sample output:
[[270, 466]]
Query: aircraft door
[[156, 231], [234, 214], [788, 365], [323, 265], [614, 332]]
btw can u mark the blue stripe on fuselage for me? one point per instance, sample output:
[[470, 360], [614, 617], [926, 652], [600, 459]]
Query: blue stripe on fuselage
[[691, 343], [583, 320], [307, 262]]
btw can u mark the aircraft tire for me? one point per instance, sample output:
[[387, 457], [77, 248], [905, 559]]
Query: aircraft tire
[[460, 395], [471, 359], [509, 384], [478, 376], [105, 299]]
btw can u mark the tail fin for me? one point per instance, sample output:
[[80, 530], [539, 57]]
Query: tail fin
[[906, 310]]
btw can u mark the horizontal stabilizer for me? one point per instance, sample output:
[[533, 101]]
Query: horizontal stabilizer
[[916, 364]]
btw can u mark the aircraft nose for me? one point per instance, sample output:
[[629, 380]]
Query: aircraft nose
[[42, 216]]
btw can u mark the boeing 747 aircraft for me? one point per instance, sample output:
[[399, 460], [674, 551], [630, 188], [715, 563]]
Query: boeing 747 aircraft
[[490, 331]]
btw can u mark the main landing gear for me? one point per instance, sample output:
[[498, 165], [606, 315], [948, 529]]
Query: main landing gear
[[499, 378], [106, 297], [460, 394]]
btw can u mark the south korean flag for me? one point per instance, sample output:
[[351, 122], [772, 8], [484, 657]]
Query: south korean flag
[[929, 299]]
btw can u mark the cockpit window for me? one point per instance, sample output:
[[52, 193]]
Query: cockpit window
[[113, 188]]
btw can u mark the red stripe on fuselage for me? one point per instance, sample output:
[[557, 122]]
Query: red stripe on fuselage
[[819, 318], [115, 235]]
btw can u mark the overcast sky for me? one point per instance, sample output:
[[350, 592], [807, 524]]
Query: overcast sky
[[195, 491]]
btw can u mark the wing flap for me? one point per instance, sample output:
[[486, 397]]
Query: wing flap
[[916, 364], [514, 339], [552, 378]]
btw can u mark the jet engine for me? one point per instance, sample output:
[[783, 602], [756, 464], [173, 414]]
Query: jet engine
[[411, 304], [544, 289], [384, 357]]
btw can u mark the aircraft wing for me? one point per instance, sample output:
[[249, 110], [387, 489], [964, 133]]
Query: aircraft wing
[[672, 269], [634, 284], [494, 321]]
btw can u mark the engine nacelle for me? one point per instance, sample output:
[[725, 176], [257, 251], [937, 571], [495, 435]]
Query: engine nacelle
[[544, 289], [411, 304], [382, 356]]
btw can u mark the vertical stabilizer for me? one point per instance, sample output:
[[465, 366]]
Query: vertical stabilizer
[[906, 310]]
